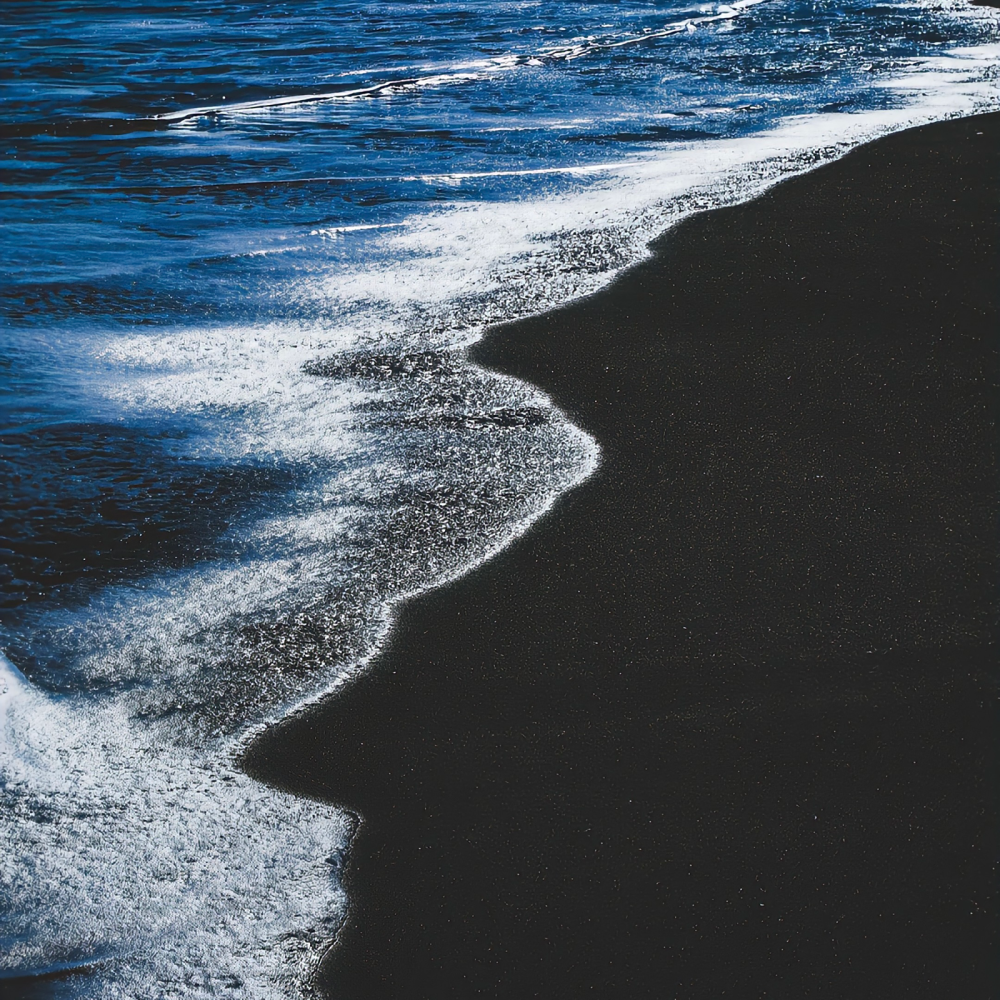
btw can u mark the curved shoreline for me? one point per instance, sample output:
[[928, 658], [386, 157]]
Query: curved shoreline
[[721, 722]]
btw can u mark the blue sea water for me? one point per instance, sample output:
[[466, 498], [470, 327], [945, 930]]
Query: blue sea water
[[245, 246]]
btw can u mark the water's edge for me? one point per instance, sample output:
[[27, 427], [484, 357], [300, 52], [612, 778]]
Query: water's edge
[[257, 751]]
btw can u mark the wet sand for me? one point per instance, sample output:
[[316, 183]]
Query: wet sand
[[722, 724]]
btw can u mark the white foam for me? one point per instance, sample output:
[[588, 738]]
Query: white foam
[[134, 842], [339, 230], [354, 94], [476, 263], [253, 375], [437, 279], [171, 635], [12, 684], [584, 47], [167, 867]]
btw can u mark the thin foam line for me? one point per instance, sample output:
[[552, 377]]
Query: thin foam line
[[460, 73]]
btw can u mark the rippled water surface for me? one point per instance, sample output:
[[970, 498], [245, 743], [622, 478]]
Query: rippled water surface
[[246, 245]]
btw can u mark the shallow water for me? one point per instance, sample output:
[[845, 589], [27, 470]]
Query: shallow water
[[246, 246]]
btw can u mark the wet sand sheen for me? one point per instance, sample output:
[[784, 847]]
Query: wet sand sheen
[[722, 723]]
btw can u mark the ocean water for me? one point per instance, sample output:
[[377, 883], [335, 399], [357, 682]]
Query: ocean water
[[246, 245]]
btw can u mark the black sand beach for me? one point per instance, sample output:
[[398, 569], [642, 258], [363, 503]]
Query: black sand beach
[[723, 723]]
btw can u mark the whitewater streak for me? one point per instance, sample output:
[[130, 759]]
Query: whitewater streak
[[468, 71], [133, 859]]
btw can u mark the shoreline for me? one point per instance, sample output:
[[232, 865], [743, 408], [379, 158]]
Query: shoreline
[[722, 721], [475, 793]]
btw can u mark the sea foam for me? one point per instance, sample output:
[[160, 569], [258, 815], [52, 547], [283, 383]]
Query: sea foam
[[156, 865]]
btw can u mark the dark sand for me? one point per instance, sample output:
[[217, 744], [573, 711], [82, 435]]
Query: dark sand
[[723, 723]]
